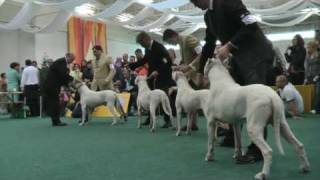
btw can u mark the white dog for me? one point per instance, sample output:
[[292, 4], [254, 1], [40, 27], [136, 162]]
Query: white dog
[[188, 100], [259, 104], [90, 99], [150, 100]]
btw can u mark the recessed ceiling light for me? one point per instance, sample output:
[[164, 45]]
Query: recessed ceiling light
[[145, 1], [154, 30], [309, 10], [124, 17], [86, 9]]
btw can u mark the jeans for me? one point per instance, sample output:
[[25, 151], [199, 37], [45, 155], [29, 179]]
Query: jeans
[[316, 105]]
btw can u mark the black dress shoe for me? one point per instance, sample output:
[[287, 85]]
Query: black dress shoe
[[60, 124], [193, 128], [166, 125], [227, 142], [253, 155], [246, 159], [85, 121], [146, 122], [255, 152]]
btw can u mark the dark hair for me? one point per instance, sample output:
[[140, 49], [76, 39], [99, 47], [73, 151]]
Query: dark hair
[[142, 35], [28, 62], [97, 47], [169, 33], [34, 62], [3, 75], [14, 64], [138, 51], [300, 41]]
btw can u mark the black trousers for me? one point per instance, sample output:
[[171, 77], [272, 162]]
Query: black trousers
[[31, 93], [52, 104]]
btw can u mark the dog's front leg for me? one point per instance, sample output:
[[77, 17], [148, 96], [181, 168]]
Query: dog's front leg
[[153, 109], [191, 116], [139, 115], [179, 111], [83, 115], [237, 140], [112, 110], [211, 132]]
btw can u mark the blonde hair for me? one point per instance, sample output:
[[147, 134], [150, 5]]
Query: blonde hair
[[313, 46]]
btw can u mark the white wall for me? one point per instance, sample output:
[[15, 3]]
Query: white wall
[[120, 41], [54, 45], [19, 45], [15, 46]]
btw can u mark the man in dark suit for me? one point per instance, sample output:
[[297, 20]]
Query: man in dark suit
[[57, 76], [159, 72], [230, 22]]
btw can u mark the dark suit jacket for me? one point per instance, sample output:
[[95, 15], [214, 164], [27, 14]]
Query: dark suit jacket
[[57, 76], [158, 60], [230, 21]]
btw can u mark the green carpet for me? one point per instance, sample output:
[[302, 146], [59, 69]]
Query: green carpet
[[32, 149]]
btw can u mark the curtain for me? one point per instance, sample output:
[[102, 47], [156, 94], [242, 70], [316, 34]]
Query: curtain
[[83, 35]]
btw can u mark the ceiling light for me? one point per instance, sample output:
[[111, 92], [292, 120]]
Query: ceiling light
[[124, 17], [311, 10], [175, 9], [154, 30], [86, 9], [145, 1]]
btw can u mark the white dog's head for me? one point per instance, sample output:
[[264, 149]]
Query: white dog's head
[[139, 79], [210, 64], [177, 74], [77, 84]]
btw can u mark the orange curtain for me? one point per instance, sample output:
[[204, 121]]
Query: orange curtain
[[82, 35]]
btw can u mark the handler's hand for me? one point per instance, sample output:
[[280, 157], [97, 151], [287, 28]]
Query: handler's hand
[[223, 52], [185, 68], [154, 74]]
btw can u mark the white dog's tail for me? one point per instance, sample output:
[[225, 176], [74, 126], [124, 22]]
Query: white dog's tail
[[166, 105], [278, 116]]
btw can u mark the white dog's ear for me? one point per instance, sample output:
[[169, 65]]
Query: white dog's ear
[[216, 61], [174, 75], [136, 80], [208, 66]]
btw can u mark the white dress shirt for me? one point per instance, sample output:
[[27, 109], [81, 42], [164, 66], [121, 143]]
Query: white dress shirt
[[30, 76], [290, 93]]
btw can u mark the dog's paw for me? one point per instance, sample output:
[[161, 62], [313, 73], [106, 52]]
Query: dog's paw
[[113, 123], [81, 124], [188, 133], [304, 168], [139, 126], [209, 158], [152, 130], [260, 176], [178, 134]]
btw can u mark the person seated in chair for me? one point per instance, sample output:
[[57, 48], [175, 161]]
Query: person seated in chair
[[291, 97]]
